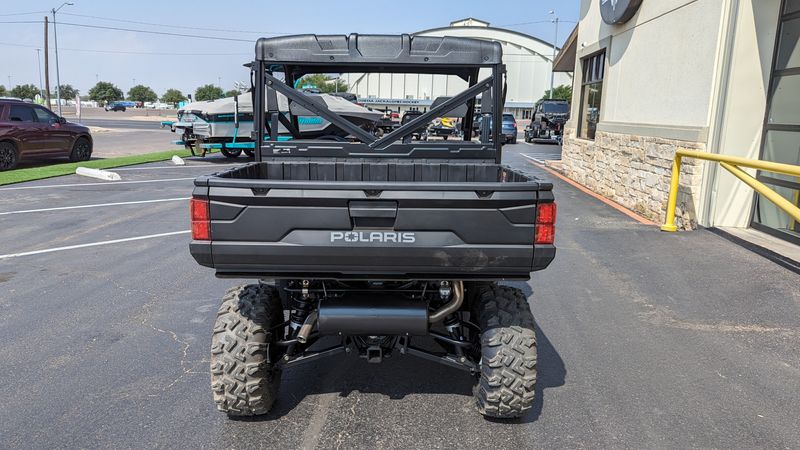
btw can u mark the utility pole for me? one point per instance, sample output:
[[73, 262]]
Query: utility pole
[[46, 67], [39, 60], [553, 62], [55, 41]]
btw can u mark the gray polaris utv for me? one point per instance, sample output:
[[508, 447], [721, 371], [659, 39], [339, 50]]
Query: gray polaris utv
[[370, 246]]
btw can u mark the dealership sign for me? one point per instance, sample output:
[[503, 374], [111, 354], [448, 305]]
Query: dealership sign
[[394, 101], [617, 12]]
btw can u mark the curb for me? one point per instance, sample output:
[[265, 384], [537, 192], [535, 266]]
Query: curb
[[97, 173]]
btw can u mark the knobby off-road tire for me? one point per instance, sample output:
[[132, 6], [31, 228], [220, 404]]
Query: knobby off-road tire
[[507, 380], [243, 382]]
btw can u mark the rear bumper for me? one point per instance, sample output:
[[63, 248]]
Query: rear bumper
[[279, 260], [510, 134]]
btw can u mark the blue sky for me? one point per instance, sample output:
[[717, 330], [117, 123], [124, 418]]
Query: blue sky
[[162, 61]]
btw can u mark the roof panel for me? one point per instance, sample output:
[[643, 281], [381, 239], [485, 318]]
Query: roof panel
[[371, 50]]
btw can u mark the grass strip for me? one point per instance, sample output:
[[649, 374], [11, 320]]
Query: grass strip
[[56, 170]]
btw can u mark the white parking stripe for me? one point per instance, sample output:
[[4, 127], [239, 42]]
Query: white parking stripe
[[188, 166], [96, 205], [544, 157], [93, 244], [115, 183]]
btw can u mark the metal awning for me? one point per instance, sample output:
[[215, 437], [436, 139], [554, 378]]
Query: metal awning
[[565, 60]]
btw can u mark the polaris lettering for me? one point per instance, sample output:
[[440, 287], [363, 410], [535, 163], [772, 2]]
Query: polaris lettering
[[374, 237]]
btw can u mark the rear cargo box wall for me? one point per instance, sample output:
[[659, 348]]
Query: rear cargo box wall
[[355, 171]]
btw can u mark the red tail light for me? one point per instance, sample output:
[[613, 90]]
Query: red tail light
[[545, 223], [201, 219]]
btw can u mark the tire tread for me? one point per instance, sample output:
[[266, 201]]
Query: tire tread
[[243, 382], [506, 387]]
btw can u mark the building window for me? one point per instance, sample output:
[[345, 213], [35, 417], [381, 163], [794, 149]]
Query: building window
[[591, 92], [782, 129]]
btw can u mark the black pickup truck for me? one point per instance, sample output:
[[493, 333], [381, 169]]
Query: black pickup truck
[[367, 243]]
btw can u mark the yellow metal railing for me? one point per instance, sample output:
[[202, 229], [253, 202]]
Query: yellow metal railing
[[732, 164]]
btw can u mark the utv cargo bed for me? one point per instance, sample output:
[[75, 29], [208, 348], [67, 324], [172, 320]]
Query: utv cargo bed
[[421, 220]]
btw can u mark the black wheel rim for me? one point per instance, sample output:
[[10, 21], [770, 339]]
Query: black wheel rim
[[82, 151], [7, 158]]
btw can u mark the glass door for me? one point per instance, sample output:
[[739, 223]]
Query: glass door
[[781, 141]]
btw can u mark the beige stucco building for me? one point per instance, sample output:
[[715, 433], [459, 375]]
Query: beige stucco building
[[720, 76]]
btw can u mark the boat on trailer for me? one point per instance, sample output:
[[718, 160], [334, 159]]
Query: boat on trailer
[[227, 123]]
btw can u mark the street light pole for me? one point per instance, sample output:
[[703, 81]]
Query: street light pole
[[55, 41], [39, 60], [553, 62]]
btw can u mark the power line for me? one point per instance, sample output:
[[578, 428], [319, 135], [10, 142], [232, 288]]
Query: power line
[[534, 22], [24, 14], [125, 52], [172, 26], [163, 33]]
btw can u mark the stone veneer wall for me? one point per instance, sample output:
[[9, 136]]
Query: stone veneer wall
[[635, 172]]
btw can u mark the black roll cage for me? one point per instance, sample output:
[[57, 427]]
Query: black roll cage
[[296, 56]]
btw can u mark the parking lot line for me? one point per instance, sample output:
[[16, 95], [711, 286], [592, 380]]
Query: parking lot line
[[188, 166], [112, 183], [92, 244], [96, 205]]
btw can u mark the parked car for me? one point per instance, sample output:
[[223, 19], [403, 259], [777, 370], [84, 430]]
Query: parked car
[[420, 134], [508, 130], [33, 131], [548, 120], [115, 107]]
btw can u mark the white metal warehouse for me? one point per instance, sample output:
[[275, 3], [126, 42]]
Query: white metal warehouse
[[528, 61]]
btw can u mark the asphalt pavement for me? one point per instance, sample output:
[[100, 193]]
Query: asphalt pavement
[[645, 339], [122, 123]]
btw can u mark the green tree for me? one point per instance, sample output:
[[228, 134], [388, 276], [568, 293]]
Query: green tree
[[2, 90], [323, 82], [233, 92], [142, 93], [563, 92], [173, 96], [105, 92], [208, 92], [24, 91], [67, 91]]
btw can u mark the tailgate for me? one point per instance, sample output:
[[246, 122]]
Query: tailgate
[[354, 230]]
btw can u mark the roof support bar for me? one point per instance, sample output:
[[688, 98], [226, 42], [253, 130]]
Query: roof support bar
[[318, 108], [423, 119]]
